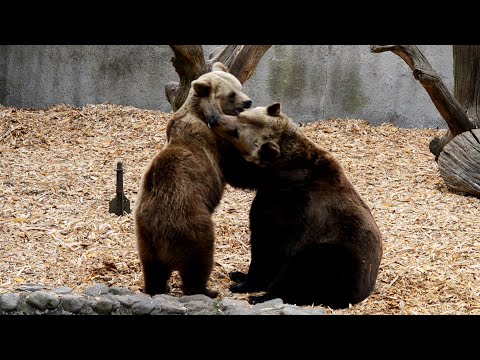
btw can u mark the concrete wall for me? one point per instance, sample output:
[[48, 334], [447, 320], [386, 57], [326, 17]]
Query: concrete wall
[[311, 81], [39, 76]]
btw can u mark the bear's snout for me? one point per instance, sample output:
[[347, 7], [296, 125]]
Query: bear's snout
[[224, 125]]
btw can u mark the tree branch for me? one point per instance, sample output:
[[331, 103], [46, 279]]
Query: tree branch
[[242, 60], [437, 144], [452, 112]]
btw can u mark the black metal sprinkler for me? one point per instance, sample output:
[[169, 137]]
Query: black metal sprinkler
[[120, 204]]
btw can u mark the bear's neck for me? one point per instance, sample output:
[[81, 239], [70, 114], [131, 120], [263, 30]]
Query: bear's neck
[[300, 155], [184, 127], [296, 147], [192, 105]]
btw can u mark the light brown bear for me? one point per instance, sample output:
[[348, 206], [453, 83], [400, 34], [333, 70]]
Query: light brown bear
[[181, 187], [313, 238]]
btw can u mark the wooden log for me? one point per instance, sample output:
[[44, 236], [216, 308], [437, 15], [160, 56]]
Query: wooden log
[[459, 163]]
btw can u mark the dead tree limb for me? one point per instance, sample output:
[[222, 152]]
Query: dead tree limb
[[449, 108], [241, 60]]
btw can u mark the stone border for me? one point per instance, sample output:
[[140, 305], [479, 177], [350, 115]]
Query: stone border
[[99, 299]]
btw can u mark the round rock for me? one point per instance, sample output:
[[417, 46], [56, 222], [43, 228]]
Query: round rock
[[235, 307], [103, 306], [129, 300], [96, 290], [196, 297], [275, 303], [42, 300], [143, 308], [117, 290], [62, 290], [73, 303], [9, 301], [200, 307], [168, 308], [166, 298]]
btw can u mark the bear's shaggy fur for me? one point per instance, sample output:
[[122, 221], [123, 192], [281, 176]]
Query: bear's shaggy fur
[[313, 238], [181, 187]]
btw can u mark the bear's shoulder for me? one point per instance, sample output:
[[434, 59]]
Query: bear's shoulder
[[185, 125]]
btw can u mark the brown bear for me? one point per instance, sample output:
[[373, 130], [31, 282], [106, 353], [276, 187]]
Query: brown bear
[[181, 187], [313, 238]]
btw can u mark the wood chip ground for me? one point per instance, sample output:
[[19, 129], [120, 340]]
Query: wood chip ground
[[57, 175]]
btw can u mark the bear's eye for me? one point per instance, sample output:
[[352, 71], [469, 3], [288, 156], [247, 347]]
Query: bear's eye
[[232, 95]]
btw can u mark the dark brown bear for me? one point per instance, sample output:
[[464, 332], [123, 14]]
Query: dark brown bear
[[313, 238], [181, 187]]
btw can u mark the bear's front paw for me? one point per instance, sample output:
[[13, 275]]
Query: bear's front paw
[[241, 287], [211, 293], [252, 299], [248, 286], [237, 276]]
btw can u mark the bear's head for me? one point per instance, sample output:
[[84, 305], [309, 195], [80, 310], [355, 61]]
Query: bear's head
[[259, 134], [218, 92]]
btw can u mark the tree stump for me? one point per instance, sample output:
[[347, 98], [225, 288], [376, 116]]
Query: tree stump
[[459, 163]]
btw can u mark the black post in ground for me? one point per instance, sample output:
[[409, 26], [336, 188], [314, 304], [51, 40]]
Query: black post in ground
[[120, 204]]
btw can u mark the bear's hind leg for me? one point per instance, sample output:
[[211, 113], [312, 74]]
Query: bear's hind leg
[[322, 274], [237, 276], [196, 270], [261, 272], [156, 275]]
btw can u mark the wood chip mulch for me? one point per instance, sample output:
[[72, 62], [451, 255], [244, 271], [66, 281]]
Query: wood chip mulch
[[57, 175]]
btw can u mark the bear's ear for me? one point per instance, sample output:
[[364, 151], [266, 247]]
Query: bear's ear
[[274, 109], [218, 66], [269, 151], [201, 88]]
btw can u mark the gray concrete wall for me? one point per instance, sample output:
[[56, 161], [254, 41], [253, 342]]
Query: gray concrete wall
[[311, 81]]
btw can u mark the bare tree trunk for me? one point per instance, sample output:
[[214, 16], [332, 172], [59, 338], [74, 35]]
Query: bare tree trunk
[[466, 62], [458, 152], [241, 60], [189, 63]]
